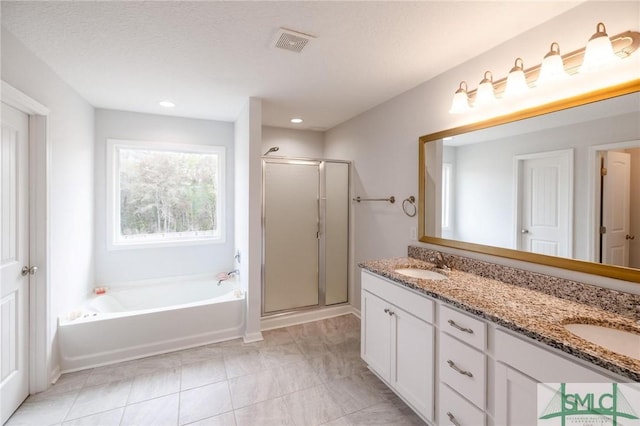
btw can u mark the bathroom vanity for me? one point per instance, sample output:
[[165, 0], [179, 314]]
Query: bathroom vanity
[[469, 350]]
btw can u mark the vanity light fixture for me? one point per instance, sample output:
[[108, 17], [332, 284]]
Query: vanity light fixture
[[460, 102], [296, 120], [516, 80], [552, 67], [600, 52], [485, 95]]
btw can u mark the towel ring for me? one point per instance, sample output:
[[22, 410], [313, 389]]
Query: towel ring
[[409, 202]]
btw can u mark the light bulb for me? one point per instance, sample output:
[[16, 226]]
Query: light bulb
[[460, 101], [599, 51], [485, 94], [516, 80], [552, 68]]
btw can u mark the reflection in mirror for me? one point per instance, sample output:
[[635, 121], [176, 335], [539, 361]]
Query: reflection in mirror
[[564, 184]]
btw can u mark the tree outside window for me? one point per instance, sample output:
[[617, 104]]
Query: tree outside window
[[166, 194]]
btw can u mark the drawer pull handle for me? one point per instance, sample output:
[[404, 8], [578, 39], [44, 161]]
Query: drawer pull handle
[[458, 369], [389, 312], [452, 419], [453, 324]]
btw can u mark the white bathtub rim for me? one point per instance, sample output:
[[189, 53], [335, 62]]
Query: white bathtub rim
[[100, 316], [166, 280], [89, 314]]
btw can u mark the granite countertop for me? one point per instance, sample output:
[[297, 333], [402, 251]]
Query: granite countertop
[[537, 315]]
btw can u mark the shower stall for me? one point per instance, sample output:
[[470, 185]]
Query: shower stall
[[305, 223]]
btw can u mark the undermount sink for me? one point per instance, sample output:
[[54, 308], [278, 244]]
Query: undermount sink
[[619, 341], [425, 274]]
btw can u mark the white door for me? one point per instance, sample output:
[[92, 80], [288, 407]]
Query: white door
[[291, 227], [545, 193], [14, 255], [616, 193]]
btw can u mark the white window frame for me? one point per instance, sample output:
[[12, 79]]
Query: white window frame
[[113, 195]]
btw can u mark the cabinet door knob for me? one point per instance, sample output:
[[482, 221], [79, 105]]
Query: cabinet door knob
[[630, 237], [453, 324], [452, 419], [458, 369], [386, 310]]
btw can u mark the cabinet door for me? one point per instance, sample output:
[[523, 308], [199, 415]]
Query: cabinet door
[[515, 397], [376, 334], [412, 360]]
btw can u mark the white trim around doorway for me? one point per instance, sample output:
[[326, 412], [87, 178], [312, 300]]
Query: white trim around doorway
[[40, 375]]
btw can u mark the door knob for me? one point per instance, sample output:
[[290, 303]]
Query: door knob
[[630, 237], [525, 231], [28, 270]]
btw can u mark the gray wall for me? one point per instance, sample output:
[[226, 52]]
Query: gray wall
[[148, 263], [293, 142]]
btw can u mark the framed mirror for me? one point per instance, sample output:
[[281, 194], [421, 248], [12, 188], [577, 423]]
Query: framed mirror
[[557, 185]]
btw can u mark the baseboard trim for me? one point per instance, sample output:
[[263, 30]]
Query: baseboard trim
[[252, 337], [55, 375], [295, 318]]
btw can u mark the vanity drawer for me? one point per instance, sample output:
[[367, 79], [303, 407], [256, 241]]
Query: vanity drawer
[[464, 327], [457, 411], [463, 368]]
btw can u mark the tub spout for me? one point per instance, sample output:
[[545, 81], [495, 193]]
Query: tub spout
[[225, 276]]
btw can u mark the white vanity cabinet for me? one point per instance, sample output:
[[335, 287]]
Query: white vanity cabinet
[[486, 375], [398, 340], [521, 365]]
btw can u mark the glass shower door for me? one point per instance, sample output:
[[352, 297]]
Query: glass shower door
[[291, 232]]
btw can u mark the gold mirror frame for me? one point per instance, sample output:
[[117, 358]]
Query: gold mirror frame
[[617, 272]]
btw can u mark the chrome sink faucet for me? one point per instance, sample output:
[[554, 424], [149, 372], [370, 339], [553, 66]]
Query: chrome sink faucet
[[440, 261]]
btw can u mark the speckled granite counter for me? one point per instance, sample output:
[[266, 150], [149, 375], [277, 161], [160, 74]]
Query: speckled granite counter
[[534, 314]]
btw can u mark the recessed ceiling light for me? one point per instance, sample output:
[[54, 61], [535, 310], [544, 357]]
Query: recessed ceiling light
[[296, 120], [448, 138], [166, 104]]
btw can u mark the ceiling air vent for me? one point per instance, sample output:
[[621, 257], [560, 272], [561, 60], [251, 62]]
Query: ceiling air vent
[[291, 40]]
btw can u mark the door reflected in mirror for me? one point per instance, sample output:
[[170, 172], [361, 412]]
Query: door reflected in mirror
[[564, 184]]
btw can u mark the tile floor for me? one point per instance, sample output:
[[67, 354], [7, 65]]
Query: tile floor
[[303, 375]]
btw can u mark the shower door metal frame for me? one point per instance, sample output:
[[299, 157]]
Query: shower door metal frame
[[321, 231]]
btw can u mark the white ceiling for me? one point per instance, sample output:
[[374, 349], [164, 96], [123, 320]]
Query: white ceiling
[[210, 56]]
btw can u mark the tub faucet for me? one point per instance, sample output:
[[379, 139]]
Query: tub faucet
[[226, 276], [440, 262]]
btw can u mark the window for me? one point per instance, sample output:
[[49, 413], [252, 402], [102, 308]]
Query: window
[[446, 196], [164, 194]]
